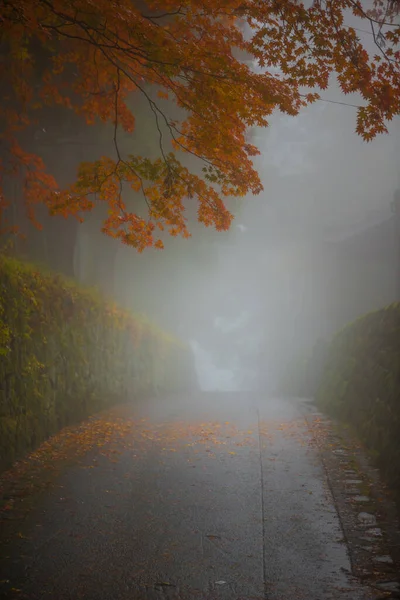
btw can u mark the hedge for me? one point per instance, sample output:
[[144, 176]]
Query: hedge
[[361, 385], [65, 353]]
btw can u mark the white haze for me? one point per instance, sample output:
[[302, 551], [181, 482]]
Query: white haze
[[291, 270], [323, 184]]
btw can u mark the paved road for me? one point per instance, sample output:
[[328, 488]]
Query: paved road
[[209, 497]]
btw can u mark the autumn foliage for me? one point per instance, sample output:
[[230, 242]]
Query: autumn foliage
[[225, 66]]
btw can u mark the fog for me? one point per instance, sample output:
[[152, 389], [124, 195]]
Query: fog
[[292, 263], [316, 249], [296, 263]]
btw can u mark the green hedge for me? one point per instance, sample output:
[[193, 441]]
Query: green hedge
[[361, 385], [65, 354]]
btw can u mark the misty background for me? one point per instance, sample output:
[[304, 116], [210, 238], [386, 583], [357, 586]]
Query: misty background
[[318, 248]]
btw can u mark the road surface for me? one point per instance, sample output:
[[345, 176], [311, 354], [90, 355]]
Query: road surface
[[214, 496]]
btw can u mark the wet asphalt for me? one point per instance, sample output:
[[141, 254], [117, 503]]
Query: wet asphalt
[[211, 496]]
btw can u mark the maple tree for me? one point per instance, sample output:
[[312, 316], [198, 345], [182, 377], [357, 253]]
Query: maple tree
[[95, 58]]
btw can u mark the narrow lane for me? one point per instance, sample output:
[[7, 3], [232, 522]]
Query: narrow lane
[[210, 497]]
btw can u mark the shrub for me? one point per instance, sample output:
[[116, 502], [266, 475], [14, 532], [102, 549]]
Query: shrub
[[65, 354], [361, 385]]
